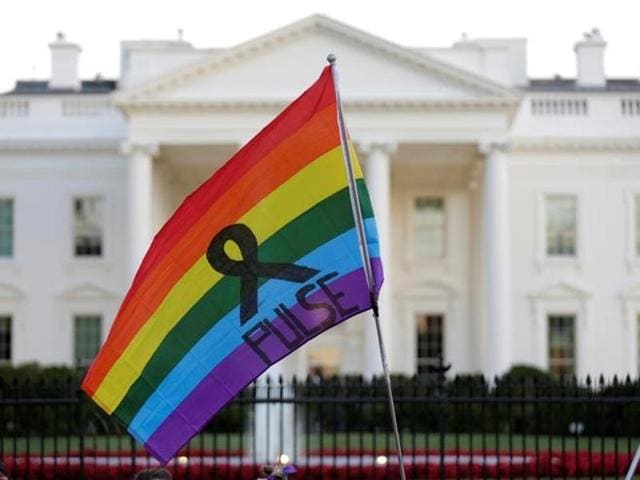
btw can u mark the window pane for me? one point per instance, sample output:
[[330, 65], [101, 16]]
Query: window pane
[[561, 225], [5, 338], [562, 347], [6, 227], [88, 225], [87, 338], [429, 337], [428, 227]]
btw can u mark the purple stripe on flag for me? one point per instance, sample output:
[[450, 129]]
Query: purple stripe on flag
[[244, 365]]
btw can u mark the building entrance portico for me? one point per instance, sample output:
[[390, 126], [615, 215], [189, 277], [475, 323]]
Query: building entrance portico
[[421, 192], [432, 161]]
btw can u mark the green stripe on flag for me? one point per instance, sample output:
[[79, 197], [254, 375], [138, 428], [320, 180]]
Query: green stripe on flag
[[315, 227]]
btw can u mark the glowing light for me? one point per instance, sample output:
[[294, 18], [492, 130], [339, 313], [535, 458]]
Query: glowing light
[[183, 460], [284, 459], [381, 460]]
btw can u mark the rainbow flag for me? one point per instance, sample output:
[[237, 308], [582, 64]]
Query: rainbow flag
[[257, 261]]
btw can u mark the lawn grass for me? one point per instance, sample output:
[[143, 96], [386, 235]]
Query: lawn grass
[[233, 442]]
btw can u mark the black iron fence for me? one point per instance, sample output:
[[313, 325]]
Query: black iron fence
[[521, 425]]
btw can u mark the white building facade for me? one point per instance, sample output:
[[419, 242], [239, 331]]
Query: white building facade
[[508, 207]]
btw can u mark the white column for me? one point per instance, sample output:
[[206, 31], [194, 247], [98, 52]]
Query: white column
[[377, 168], [140, 178], [274, 424], [497, 325]]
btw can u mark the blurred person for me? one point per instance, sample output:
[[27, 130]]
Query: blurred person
[[152, 474]]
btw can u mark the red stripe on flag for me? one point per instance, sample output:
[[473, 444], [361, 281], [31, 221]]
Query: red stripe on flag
[[176, 247]]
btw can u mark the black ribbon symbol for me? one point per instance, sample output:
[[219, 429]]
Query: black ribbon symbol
[[249, 269]]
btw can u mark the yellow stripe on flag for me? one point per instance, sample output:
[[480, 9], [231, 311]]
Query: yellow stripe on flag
[[319, 180]]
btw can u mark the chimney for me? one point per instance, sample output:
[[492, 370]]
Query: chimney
[[590, 60], [64, 64]]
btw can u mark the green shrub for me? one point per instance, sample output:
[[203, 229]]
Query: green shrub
[[64, 409], [523, 400]]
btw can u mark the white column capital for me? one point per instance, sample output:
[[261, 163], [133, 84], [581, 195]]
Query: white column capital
[[131, 148], [488, 148], [384, 147]]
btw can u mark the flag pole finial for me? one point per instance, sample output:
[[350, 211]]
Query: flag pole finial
[[331, 58]]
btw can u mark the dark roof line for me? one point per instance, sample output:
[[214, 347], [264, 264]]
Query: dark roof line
[[41, 87], [559, 84]]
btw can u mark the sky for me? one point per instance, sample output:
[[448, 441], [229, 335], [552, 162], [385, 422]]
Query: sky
[[550, 26]]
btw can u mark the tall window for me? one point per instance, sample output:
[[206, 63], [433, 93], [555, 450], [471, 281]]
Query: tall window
[[87, 336], [6, 227], [324, 362], [562, 345], [88, 226], [562, 223], [429, 227], [430, 335], [5, 338]]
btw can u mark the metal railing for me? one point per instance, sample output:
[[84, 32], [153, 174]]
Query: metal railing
[[522, 425]]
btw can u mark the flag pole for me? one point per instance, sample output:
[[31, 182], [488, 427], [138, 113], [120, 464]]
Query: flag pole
[[634, 465], [366, 259]]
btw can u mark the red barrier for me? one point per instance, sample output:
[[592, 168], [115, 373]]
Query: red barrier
[[344, 465]]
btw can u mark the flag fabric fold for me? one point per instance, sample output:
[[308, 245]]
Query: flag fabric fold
[[257, 261]]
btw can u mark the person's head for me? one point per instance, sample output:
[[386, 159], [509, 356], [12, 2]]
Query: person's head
[[154, 474]]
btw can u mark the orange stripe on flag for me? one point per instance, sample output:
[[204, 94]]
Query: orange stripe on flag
[[315, 138]]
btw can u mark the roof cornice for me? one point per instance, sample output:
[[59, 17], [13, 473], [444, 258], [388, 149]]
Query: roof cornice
[[488, 103], [60, 145], [592, 145], [222, 59]]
